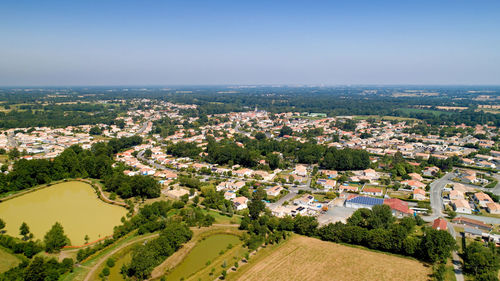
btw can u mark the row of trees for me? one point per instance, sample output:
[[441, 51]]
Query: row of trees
[[53, 240], [126, 186], [252, 150], [146, 257], [39, 268], [73, 162], [375, 229]]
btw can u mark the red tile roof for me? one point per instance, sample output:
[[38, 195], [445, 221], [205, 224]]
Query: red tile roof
[[398, 205], [440, 224]]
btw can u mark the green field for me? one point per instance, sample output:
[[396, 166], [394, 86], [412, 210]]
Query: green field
[[7, 260], [205, 251], [74, 204], [423, 110]]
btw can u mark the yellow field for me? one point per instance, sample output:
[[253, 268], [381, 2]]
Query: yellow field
[[304, 258]]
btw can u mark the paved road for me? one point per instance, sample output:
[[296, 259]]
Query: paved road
[[287, 197], [140, 156], [457, 266], [11, 140], [143, 127], [436, 198], [437, 211]]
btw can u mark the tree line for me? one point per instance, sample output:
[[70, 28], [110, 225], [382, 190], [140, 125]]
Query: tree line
[[227, 152], [73, 162], [374, 229]]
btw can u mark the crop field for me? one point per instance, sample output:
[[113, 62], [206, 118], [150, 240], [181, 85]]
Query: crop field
[[304, 258]]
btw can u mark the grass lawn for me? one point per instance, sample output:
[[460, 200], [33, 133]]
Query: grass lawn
[[7, 260], [449, 274], [320, 260], [422, 110], [222, 219], [486, 214]]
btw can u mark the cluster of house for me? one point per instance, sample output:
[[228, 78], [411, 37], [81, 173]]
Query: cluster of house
[[44, 142], [464, 204], [305, 205], [472, 228]]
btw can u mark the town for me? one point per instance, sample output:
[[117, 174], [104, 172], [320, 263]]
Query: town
[[447, 178]]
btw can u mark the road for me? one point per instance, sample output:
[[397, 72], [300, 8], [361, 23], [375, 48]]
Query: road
[[280, 202], [157, 166], [437, 205], [143, 127], [11, 140], [457, 266], [436, 191]]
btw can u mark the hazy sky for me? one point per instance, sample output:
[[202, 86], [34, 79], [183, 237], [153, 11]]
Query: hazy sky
[[249, 42]]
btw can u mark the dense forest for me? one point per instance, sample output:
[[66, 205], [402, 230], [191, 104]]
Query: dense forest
[[57, 115], [227, 152]]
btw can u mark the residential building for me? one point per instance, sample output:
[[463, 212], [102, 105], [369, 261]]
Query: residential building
[[440, 224], [419, 194], [462, 206], [482, 199]]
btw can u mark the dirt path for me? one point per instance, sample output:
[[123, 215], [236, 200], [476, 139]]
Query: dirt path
[[114, 251]]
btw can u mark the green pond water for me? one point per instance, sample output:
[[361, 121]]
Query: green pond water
[[74, 204], [204, 251]]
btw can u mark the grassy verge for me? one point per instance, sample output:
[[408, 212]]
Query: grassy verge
[[7, 260]]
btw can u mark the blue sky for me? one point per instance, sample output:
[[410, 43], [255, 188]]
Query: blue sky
[[249, 42]]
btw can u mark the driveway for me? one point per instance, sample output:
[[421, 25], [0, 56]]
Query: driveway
[[335, 214]]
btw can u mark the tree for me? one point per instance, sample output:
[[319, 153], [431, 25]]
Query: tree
[[2, 226], [481, 260], [14, 153], [305, 225], [148, 153], [437, 245], [260, 136], [105, 271], [86, 238], [95, 131], [285, 130], [55, 238], [24, 230], [381, 217], [451, 214], [36, 270]]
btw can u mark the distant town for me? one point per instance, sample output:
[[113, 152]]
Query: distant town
[[240, 166]]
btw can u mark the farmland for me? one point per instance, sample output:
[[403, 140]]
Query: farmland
[[321, 260]]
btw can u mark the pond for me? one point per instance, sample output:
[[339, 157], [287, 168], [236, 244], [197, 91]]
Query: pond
[[205, 250], [74, 204]]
